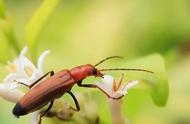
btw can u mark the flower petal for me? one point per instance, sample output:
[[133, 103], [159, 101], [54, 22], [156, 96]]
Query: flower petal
[[36, 75], [105, 89], [117, 94], [34, 118], [12, 76], [41, 60], [26, 64], [108, 82], [17, 64], [130, 84], [23, 51], [122, 92], [11, 95], [13, 85]]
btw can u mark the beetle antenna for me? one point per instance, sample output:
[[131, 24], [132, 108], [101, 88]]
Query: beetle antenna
[[126, 69], [111, 57]]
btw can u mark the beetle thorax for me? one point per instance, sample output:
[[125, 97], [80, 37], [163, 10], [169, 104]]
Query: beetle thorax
[[81, 72]]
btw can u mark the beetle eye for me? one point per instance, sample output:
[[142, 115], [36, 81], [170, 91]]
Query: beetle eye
[[94, 72]]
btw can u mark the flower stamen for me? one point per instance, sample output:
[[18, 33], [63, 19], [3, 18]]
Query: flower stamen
[[117, 84], [11, 67], [28, 71]]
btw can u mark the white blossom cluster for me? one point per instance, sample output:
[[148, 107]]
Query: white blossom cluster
[[21, 70]]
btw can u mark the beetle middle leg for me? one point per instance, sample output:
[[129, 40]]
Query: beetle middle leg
[[30, 86], [45, 112], [76, 102], [59, 114], [79, 83]]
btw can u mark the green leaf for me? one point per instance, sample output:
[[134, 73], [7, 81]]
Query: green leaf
[[2, 9], [7, 28], [37, 22], [156, 84], [4, 49]]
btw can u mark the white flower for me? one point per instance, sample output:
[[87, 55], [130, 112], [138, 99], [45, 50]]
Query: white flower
[[11, 95], [115, 88], [21, 70]]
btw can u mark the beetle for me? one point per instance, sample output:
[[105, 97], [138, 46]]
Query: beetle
[[58, 84]]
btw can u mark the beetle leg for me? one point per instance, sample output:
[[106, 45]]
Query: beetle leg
[[45, 112], [50, 72], [79, 83], [23, 84], [30, 86], [76, 102]]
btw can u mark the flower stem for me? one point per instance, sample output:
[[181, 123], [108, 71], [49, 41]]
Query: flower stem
[[115, 108]]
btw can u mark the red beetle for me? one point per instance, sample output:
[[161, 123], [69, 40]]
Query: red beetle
[[58, 84]]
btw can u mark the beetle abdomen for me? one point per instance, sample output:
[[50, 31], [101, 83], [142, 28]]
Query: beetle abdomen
[[41, 94], [19, 110]]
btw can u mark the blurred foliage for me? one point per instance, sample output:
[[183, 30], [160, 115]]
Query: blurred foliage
[[2, 9], [37, 22], [7, 35], [157, 82], [78, 32]]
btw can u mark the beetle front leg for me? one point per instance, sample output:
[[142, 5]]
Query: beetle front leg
[[30, 86], [79, 83]]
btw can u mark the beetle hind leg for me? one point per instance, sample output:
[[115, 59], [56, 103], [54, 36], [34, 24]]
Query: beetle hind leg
[[45, 112]]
